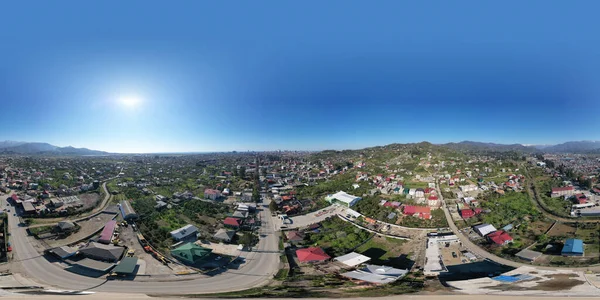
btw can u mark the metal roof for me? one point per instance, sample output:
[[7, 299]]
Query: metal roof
[[352, 259], [126, 266]]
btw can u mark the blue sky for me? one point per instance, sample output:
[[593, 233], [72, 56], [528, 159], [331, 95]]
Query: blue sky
[[308, 76]]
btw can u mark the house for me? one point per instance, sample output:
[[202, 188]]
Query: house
[[420, 193], [160, 198], [343, 198], [500, 237], [65, 226], [572, 247], [107, 232], [311, 255], [528, 255], [484, 229], [126, 266], [294, 236], [127, 211], [580, 199], [160, 205], [224, 235], [185, 232], [56, 202], [422, 212], [240, 214], [562, 191], [374, 274], [190, 253], [102, 252], [212, 194], [468, 200], [28, 208], [352, 259], [63, 252], [433, 201], [467, 213], [468, 188], [232, 222]]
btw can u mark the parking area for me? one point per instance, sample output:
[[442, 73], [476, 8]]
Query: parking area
[[87, 228], [152, 266], [310, 218], [451, 254]]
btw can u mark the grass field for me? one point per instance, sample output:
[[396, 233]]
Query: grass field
[[387, 251]]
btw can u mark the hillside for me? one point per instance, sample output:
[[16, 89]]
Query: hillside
[[44, 149]]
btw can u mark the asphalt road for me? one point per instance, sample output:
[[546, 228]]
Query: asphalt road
[[98, 209], [483, 253], [261, 264]]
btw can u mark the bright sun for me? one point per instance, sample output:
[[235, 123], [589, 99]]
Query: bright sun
[[130, 101]]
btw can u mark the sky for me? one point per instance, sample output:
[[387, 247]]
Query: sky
[[146, 76]]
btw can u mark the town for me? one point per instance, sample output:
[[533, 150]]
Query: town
[[392, 219]]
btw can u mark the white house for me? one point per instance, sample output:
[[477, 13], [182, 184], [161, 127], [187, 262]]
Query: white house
[[484, 229], [184, 232], [344, 198]]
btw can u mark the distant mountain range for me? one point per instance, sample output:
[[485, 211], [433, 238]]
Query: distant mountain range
[[580, 147], [12, 147], [478, 146]]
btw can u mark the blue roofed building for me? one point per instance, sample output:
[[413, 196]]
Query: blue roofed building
[[572, 247]]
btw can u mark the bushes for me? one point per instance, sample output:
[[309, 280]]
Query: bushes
[[338, 237]]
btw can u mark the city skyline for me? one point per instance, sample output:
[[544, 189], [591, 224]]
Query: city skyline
[[295, 78]]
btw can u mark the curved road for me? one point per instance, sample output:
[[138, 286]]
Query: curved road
[[483, 253], [259, 268], [99, 208]]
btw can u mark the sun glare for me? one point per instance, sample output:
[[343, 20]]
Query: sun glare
[[130, 101]]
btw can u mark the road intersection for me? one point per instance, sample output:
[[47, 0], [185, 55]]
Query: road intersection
[[261, 264]]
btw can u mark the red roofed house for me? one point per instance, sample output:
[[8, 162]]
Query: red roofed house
[[233, 222], [562, 191], [467, 213], [311, 254], [500, 237], [580, 199], [418, 211], [294, 236], [433, 201], [14, 197], [212, 194]]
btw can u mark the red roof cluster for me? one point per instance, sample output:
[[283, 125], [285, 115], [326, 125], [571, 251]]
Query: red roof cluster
[[423, 211], [231, 222], [467, 213], [562, 189], [500, 237], [311, 254]]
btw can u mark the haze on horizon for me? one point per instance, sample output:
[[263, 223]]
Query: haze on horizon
[[198, 77]]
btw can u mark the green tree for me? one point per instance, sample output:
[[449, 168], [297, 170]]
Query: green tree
[[247, 239], [273, 206]]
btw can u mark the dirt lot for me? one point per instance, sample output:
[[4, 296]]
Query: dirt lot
[[87, 228], [562, 230], [89, 200], [153, 266], [447, 257]]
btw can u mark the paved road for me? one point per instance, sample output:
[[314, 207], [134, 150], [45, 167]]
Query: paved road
[[483, 253], [535, 199], [259, 268], [102, 206]]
